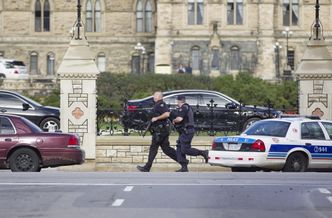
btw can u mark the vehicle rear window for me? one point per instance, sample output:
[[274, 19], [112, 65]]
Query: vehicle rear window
[[269, 128], [6, 126], [34, 128]]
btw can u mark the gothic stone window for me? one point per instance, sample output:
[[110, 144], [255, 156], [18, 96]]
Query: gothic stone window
[[196, 58], [144, 19], [136, 64], [151, 63], [215, 62], [93, 16], [290, 12], [34, 62], [234, 12], [50, 63], [195, 12], [42, 16], [101, 62], [235, 58]]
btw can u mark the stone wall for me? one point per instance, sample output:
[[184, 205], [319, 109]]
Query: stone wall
[[31, 86], [123, 153]]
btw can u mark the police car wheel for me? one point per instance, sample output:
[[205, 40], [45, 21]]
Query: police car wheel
[[296, 162]]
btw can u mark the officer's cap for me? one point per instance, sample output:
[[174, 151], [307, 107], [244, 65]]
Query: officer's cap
[[181, 98]]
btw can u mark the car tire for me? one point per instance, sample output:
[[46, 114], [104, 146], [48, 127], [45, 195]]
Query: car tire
[[24, 160], [249, 122], [296, 162], [2, 76], [50, 123]]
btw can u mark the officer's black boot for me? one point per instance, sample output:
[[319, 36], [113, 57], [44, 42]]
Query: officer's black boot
[[143, 168], [205, 154], [183, 168]]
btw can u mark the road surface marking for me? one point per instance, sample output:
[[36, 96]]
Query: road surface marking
[[324, 191], [152, 184], [329, 198], [128, 189], [118, 202]]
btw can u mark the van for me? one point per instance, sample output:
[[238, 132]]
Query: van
[[13, 69]]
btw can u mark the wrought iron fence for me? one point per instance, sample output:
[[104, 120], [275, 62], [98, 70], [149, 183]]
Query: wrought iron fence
[[124, 122]]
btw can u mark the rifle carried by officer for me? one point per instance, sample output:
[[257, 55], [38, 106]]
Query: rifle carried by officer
[[147, 128]]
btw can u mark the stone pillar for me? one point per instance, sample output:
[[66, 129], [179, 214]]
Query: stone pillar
[[163, 47], [266, 65], [78, 73], [314, 75]]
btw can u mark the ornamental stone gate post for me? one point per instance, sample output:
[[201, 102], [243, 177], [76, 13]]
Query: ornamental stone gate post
[[314, 75], [78, 73]]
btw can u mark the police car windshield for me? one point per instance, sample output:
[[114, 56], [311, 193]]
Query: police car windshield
[[268, 128]]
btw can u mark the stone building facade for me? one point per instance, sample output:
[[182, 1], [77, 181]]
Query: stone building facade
[[209, 37]]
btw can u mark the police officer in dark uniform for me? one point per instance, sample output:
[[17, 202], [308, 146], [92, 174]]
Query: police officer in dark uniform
[[160, 132], [184, 123]]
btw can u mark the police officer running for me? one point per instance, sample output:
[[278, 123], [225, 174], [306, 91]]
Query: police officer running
[[160, 132], [184, 123]]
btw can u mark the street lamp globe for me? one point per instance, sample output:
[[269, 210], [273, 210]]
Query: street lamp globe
[[139, 47], [141, 52]]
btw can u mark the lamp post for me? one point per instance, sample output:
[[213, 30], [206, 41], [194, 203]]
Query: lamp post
[[211, 107], [78, 24], [277, 48], [141, 51], [287, 33]]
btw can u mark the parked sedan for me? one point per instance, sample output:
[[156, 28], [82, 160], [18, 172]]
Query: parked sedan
[[12, 69], [228, 114], [46, 117], [288, 144], [24, 147]]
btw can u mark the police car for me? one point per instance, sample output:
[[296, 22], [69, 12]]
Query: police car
[[287, 144]]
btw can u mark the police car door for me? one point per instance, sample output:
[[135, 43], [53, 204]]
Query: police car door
[[327, 126], [314, 140]]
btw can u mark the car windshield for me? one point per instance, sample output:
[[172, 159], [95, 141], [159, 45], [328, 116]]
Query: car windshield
[[268, 128], [34, 127]]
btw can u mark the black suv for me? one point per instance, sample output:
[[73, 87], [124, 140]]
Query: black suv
[[47, 118], [228, 114]]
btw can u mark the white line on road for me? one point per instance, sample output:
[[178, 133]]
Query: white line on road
[[118, 202], [324, 191], [329, 198], [152, 184], [128, 189]]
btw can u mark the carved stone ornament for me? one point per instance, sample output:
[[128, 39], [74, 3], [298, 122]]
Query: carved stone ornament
[[77, 113], [318, 112], [78, 76]]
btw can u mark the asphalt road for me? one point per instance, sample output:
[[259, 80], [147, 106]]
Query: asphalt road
[[158, 195]]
